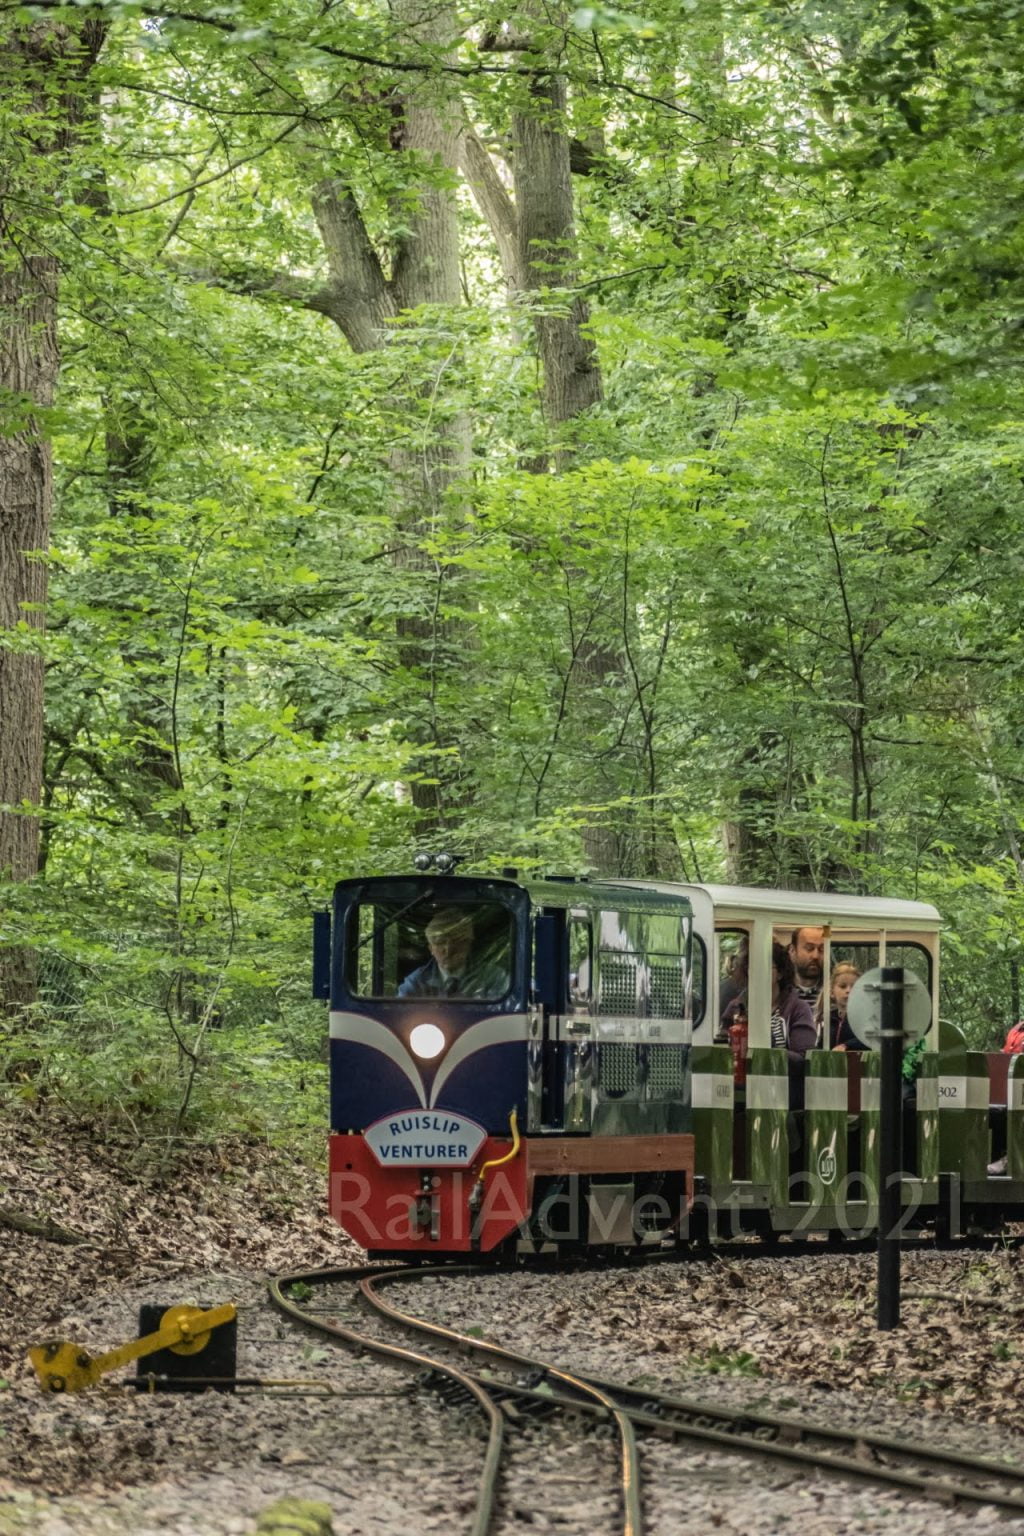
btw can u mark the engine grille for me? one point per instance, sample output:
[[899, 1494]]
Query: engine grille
[[617, 1067], [618, 985], [664, 1070], [667, 991]]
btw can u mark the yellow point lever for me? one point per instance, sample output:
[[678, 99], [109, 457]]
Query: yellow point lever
[[64, 1367]]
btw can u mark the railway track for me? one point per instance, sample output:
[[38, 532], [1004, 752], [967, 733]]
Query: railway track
[[494, 1400], [506, 1386]]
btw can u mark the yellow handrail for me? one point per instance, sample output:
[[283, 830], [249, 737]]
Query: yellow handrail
[[496, 1162]]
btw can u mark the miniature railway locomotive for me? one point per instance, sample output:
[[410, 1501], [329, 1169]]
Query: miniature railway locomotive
[[538, 1066]]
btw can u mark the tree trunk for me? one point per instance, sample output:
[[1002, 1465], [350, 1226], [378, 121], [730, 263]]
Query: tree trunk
[[547, 258], [426, 271], [42, 66], [572, 377], [28, 371]]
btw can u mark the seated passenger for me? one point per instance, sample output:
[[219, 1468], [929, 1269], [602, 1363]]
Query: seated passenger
[[840, 1035], [792, 1019], [456, 968], [807, 955], [793, 1028]]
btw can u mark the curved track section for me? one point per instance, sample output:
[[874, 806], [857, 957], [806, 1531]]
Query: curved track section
[[412, 1360], [522, 1385], [629, 1466], [857, 1454], [488, 1394]]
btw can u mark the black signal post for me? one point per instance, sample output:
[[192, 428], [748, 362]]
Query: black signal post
[[890, 1148]]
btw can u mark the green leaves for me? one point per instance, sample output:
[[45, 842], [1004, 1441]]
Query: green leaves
[[777, 589]]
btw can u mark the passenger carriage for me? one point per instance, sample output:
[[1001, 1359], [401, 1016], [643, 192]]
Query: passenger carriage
[[779, 1155], [570, 1091]]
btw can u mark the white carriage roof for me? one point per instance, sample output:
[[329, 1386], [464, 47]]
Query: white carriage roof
[[829, 906]]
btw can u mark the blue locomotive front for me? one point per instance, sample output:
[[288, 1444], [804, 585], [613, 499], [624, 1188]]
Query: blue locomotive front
[[500, 1052]]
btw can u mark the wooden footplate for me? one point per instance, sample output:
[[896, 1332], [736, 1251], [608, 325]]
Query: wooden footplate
[[587, 1155]]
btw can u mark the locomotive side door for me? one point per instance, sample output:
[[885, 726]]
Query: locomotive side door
[[562, 1005], [547, 991]]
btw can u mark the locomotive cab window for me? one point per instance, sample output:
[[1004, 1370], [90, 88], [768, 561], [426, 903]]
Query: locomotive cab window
[[458, 950]]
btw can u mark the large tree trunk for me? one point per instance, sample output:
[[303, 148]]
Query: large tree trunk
[[546, 235], [28, 371], [547, 256], [41, 68], [425, 271], [365, 294]]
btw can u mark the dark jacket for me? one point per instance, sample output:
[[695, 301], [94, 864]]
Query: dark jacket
[[799, 1031], [480, 978], [792, 1024], [840, 1033]]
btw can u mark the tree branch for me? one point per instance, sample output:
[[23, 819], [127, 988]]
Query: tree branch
[[205, 181], [428, 65], [254, 283], [39, 1226], [494, 202], [358, 294]]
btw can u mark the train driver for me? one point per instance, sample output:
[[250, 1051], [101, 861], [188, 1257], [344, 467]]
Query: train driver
[[456, 967]]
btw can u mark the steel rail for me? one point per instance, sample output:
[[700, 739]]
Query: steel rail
[[750, 1442], [854, 1460], [863, 1455], [747, 1432], [488, 1485], [629, 1463], [791, 1429]]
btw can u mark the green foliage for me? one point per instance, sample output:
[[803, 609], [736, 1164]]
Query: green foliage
[[741, 1363], [309, 604]]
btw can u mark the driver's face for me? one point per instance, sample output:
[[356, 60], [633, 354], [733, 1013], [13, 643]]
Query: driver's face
[[450, 947]]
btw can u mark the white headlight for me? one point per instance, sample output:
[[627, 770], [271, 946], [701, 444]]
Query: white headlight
[[427, 1041]]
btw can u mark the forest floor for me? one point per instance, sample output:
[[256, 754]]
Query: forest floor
[[207, 1225]]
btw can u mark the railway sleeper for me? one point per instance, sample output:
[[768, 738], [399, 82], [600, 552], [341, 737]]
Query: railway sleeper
[[452, 1393]]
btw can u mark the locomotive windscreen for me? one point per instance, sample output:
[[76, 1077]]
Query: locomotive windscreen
[[431, 947]]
